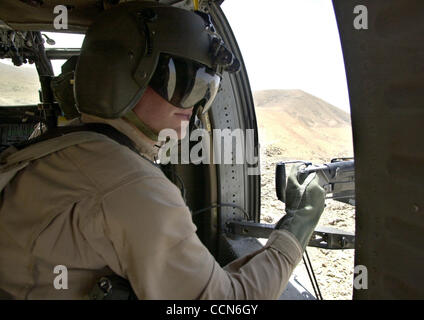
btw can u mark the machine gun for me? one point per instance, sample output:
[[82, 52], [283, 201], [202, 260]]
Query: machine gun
[[338, 180], [336, 177]]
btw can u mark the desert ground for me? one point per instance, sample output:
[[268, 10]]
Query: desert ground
[[290, 128]]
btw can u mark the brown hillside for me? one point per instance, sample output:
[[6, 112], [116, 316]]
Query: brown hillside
[[295, 124], [303, 106]]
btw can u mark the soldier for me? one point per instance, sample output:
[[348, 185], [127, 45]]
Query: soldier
[[99, 208]]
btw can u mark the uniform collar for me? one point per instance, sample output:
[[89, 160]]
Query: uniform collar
[[143, 144]]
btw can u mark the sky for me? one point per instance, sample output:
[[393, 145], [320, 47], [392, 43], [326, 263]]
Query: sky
[[290, 44]]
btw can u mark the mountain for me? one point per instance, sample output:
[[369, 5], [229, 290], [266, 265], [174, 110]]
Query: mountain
[[18, 85], [294, 124], [310, 110]]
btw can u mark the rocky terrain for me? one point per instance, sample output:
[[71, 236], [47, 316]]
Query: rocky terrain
[[288, 129]]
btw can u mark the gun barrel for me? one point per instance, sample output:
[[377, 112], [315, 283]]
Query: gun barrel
[[332, 169], [336, 177]]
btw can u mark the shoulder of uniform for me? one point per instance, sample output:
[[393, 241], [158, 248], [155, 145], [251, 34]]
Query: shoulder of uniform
[[107, 163]]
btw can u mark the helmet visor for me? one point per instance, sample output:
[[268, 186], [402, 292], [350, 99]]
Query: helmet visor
[[185, 83]]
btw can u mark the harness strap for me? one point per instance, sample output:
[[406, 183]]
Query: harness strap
[[18, 156], [101, 128]]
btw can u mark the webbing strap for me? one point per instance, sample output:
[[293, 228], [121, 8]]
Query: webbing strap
[[17, 157], [101, 128]]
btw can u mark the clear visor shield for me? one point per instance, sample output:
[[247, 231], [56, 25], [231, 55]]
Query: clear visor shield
[[184, 83]]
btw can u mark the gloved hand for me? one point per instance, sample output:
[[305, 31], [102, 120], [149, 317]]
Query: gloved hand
[[304, 205]]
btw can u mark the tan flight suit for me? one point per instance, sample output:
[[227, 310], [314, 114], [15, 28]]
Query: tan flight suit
[[98, 208]]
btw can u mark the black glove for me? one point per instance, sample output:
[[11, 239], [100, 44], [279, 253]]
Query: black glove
[[305, 202]]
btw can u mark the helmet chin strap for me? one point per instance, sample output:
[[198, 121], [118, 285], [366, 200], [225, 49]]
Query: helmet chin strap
[[132, 117], [198, 107]]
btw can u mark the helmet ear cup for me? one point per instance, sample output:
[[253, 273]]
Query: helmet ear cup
[[108, 79]]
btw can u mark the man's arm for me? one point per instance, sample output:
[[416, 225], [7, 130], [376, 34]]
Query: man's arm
[[155, 241]]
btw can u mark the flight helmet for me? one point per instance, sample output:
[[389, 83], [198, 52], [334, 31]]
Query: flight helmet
[[175, 51]]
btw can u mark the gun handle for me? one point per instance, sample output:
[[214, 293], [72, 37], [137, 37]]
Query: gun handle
[[280, 181]]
